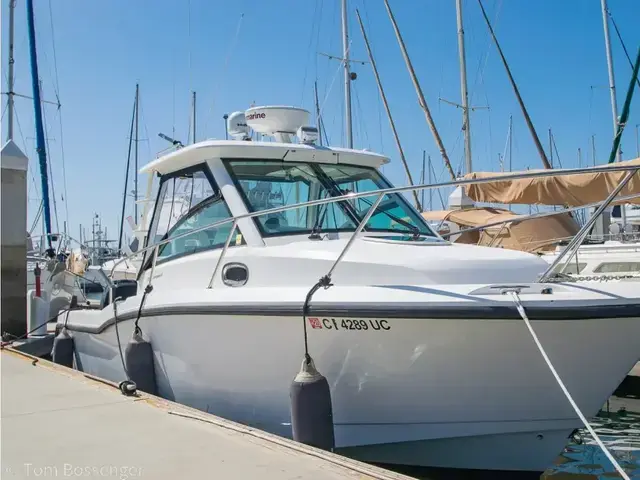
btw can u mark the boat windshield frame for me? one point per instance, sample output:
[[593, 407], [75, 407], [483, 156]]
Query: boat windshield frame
[[412, 223]]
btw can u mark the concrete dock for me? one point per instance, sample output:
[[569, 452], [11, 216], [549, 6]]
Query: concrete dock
[[58, 422]]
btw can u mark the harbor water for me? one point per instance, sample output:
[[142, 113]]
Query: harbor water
[[617, 425]]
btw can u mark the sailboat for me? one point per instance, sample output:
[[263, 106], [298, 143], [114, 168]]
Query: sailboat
[[617, 258]]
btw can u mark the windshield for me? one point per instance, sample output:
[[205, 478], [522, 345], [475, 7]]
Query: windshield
[[267, 184]]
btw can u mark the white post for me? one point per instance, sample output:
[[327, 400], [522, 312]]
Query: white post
[[13, 233]]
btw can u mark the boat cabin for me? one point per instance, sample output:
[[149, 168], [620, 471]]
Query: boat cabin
[[213, 181]]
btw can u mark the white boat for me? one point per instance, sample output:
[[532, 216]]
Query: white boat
[[607, 260], [428, 362]]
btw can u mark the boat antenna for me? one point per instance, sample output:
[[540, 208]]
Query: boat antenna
[[527, 118], [126, 177], [175, 143], [421, 99], [386, 106], [37, 106]]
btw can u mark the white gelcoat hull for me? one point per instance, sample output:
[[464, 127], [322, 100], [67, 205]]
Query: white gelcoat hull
[[467, 393]]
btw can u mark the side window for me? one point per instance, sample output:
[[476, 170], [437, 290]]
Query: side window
[[572, 268], [188, 202], [618, 267]]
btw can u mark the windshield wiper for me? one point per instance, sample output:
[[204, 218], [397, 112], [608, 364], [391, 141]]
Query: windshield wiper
[[317, 225], [415, 231]]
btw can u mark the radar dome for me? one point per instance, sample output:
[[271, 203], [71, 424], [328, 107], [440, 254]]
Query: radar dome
[[277, 121]]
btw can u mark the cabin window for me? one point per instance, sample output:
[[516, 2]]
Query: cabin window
[[618, 267], [392, 214], [187, 202], [268, 184], [572, 268]]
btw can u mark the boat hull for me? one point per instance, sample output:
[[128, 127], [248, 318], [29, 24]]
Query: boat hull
[[464, 393]]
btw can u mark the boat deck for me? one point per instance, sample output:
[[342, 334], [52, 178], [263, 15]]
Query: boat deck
[[58, 422]]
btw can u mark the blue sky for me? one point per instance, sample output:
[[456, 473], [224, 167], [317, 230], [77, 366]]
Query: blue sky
[[237, 53]]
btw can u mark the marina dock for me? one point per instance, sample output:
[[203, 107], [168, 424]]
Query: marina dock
[[58, 422]]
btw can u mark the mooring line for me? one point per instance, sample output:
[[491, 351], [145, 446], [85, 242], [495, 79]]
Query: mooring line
[[523, 314]]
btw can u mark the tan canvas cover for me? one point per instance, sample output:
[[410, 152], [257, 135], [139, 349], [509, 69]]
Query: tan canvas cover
[[531, 235], [469, 217], [569, 190]]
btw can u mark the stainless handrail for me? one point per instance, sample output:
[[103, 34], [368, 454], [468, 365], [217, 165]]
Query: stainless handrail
[[355, 234], [224, 250], [383, 191]]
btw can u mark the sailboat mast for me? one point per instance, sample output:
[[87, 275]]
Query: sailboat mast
[[37, 106], [347, 76], [126, 177], [135, 168], [421, 99], [422, 176], [386, 107], [527, 118], [430, 183], [463, 89], [510, 143], [12, 7], [612, 81]]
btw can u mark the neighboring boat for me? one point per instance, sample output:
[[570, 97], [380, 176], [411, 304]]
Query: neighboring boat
[[613, 250], [545, 234], [428, 361]]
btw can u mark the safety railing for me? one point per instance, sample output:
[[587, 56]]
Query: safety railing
[[380, 193]]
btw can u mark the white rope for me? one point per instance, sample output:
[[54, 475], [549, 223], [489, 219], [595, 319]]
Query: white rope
[[523, 314]]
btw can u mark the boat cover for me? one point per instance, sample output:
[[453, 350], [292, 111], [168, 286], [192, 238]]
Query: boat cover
[[567, 190]]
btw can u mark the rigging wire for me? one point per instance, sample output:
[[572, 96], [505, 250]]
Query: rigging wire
[[335, 75], [363, 134], [24, 146], [306, 64], [481, 69], [317, 45], [46, 139], [624, 47], [555, 148], [379, 100], [38, 214], [225, 68]]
